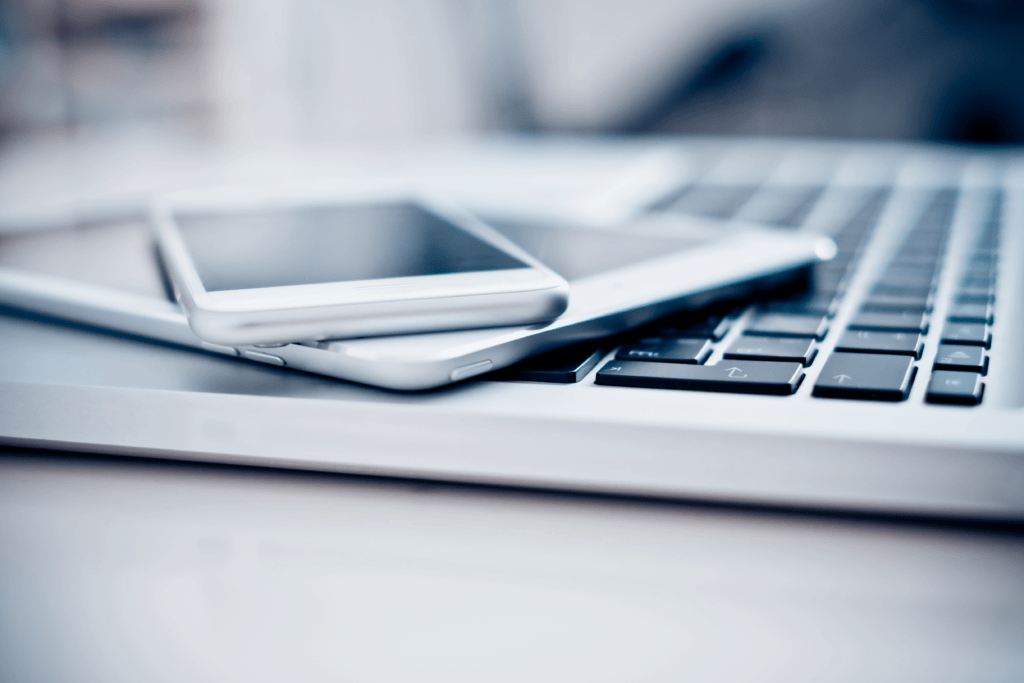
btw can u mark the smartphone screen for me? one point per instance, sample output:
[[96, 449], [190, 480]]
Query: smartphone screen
[[317, 245]]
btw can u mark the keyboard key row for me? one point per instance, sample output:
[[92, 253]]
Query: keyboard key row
[[874, 359]]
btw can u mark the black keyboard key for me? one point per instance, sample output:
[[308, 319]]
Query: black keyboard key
[[986, 291], [922, 245], [979, 281], [899, 271], [796, 349], [897, 321], [975, 296], [960, 388], [971, 313], [904, 281], [980, 272], [564, 366], [789, 325], [914, 301], [735, 376], [667, 350], [976, 334], [714, 327], [961, 357], [900, 290], [915, 258], [986, 259], [874, 341], [926, 236], [874, 377], [807, 303]]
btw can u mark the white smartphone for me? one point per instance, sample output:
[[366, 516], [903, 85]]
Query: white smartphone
[[249, 267]]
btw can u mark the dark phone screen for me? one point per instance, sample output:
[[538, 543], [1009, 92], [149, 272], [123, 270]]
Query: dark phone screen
[[321, 244]]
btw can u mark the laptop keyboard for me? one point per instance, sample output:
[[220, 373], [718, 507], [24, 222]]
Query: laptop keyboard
[[767, 347]]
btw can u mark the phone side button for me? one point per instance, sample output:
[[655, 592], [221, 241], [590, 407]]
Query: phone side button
[[263, 357], [217, 348], [471, 370]]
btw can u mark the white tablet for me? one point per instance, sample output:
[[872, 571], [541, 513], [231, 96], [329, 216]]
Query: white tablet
[[619, 279]]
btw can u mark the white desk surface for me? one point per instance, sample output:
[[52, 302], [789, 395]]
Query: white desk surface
[[128, 570]]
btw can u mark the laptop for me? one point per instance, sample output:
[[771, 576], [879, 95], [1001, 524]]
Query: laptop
[[891, 383]]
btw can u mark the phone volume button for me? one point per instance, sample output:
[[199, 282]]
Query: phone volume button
[[471, 370], [217, 348], [261, 357]]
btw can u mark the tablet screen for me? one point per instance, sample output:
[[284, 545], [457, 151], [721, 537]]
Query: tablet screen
[[576, 253]]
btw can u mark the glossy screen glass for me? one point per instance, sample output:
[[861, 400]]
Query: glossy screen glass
[[321, 244], [577, 253]]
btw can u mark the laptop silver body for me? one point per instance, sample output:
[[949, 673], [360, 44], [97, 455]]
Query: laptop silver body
[[78, 389]]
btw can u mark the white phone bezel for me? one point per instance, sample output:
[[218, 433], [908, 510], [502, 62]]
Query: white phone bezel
[[359, 308]]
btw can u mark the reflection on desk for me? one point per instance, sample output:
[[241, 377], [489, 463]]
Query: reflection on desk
[[142, 571]]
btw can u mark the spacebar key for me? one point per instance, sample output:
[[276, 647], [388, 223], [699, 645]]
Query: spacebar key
[[738, 376]]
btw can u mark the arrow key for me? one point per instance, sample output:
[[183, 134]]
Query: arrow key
[[963, 388], [961, 357], [869, 376]]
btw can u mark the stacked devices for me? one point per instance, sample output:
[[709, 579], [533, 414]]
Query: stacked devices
[[399, 292], [889, 383]]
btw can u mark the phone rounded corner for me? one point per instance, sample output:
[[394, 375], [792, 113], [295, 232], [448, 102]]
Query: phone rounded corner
[[215, 332], [825, 249], [559, 298], [208, 325]]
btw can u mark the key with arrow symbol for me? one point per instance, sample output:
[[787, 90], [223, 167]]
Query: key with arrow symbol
[[962, 358], [867, 376]]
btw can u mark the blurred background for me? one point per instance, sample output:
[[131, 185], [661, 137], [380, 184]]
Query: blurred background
[[330, 72]]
